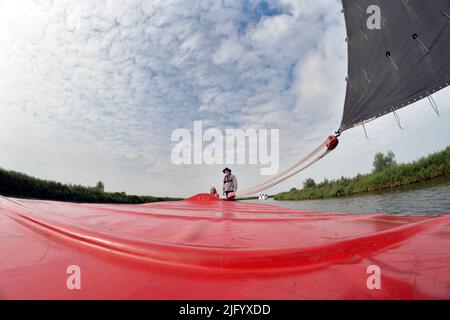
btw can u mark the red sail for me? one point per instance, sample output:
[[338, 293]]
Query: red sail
[[203, 248]]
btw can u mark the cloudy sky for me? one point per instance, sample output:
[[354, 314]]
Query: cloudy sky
[[92, 90]]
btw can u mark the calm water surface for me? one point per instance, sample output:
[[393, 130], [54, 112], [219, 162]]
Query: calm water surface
[[430, 197]]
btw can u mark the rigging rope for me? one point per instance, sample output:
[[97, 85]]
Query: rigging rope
[[317, 154], [433, 103]]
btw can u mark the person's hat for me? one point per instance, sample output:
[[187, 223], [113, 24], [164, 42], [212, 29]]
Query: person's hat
[[226, 170]]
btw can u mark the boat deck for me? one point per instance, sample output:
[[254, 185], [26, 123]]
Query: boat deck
[[203, 248]]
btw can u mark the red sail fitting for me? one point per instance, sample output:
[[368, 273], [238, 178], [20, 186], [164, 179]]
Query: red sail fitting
[[331, 142]]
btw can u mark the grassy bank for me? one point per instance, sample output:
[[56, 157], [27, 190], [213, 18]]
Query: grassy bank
[[389, 176], [16, 184]]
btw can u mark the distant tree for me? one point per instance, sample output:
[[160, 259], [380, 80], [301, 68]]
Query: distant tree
[[100, 186], [381, 162], [309, 183]]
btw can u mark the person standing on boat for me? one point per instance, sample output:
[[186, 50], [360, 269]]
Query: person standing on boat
[[229, 184]]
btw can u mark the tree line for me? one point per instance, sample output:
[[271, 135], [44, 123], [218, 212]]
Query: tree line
[[17, 184], [386, 174]]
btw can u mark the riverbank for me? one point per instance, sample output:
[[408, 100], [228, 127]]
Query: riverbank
[[428, 197], [20, 185], [427, 168]]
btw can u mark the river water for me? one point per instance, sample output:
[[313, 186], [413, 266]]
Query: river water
[[432, 197]]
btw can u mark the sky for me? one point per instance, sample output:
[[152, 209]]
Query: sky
[[93, 90]]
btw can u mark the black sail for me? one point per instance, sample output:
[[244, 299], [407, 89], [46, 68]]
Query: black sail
[[404, 61]]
